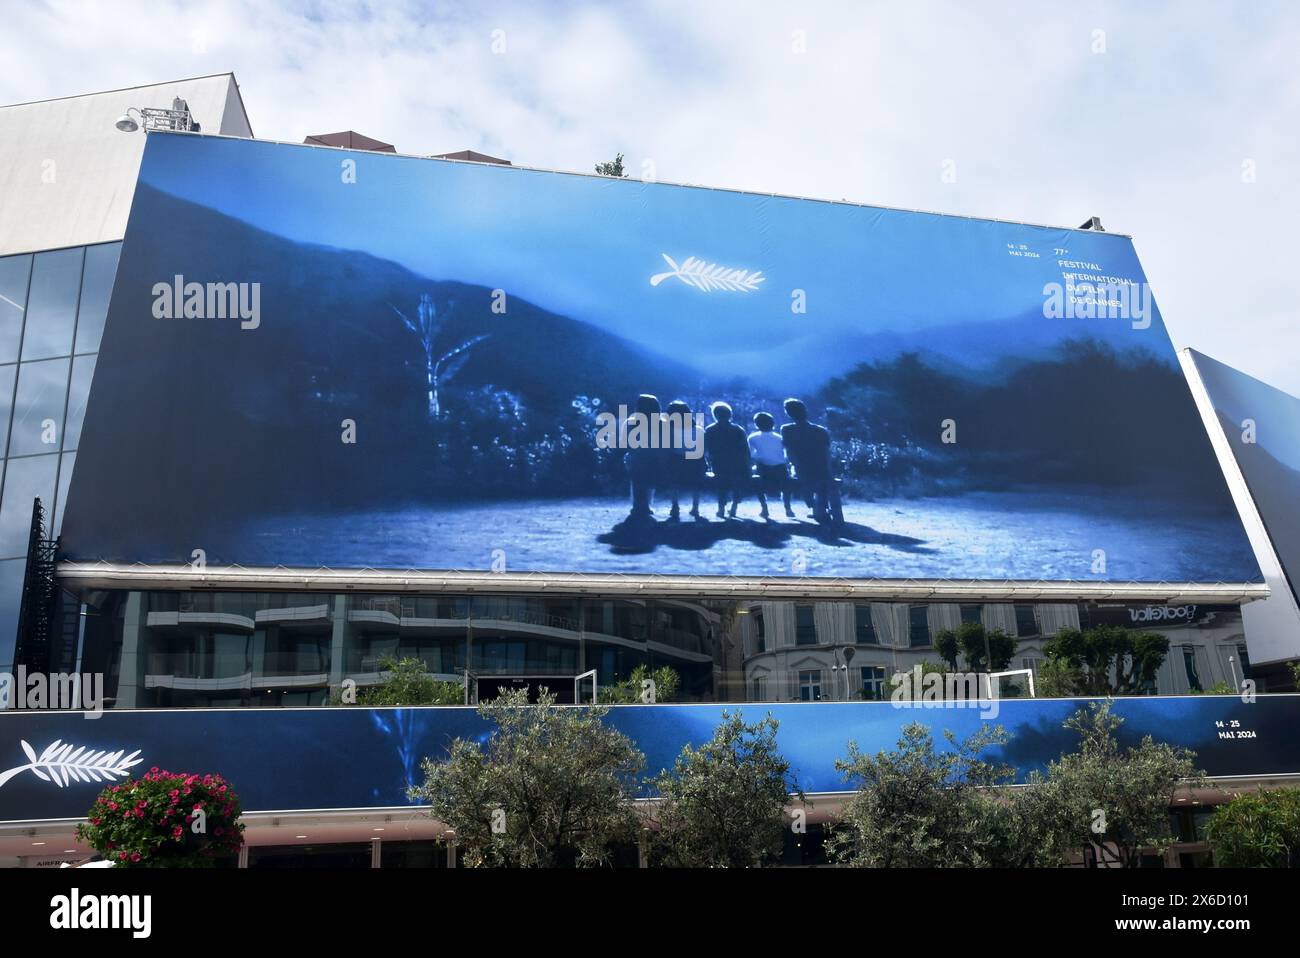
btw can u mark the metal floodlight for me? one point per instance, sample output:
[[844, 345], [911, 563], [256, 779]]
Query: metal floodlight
[[151, 118]]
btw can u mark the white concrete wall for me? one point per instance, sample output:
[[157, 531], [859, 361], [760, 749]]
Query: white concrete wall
[[67, 174]]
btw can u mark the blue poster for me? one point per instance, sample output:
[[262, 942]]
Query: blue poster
[[1262, 425], [320, 357], [283, 759]]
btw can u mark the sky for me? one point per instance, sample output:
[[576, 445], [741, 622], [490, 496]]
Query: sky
[[1175, 122]]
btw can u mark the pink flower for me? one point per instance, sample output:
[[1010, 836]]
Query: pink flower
[[177, 832], [121, 856], [135, 856], [112, 806]]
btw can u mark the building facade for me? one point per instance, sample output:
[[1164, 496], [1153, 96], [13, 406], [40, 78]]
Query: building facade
[[289, 629]]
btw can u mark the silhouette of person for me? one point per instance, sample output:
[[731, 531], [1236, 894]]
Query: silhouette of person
[[642, 463], [727, 447], [808, 447], [768, 451], [685, 476]]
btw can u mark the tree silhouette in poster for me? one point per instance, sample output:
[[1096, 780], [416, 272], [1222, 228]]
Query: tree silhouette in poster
[[439, 365]]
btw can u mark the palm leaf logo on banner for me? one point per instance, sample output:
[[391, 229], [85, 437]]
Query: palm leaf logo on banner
[[61, 764], [708, 277]]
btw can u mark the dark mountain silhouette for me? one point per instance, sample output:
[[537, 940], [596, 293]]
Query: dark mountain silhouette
[[958, 349], [212, 406]]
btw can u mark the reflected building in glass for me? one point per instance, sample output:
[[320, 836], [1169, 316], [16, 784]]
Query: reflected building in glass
[[227, 649]]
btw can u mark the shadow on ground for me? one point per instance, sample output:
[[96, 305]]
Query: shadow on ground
[[635, 537]]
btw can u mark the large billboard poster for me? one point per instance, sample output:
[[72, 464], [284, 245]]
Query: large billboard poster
[[380, 749], [1262, 425], [318, 357]]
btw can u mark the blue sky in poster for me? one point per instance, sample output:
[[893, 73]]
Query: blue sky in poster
[[586, 247]]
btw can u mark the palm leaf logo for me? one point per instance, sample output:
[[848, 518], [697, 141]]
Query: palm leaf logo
[[708, 277], [62, 763]]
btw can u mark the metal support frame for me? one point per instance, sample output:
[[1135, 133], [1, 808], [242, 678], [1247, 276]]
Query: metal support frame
[[33, 647]]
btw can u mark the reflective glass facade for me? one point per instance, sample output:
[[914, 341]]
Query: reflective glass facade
[[218, 649], [52, 310]]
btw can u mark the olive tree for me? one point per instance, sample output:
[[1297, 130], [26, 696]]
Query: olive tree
[[920, 806], [550, 786], [723, 804], [1112, 799]]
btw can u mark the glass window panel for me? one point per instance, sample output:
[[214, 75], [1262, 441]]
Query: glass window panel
[[25, 479], [96, 289], [52, 304], [11, 597], [65, 477], [7, 376], [83, 367], [42, 393], [14, 272]]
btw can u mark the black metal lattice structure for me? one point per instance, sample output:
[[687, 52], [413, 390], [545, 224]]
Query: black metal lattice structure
[[40, 592]]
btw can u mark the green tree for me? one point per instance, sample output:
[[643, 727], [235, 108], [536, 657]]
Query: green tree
[[551, 786], [1056, 678], [612, 168], [1111, 799], [1257, 830], [1002, 648], [1218, 688], [922, 807], [723, 804], [948, 646], [985, 651], [911, 690], [407, 682], [667, 683], [1108, 660]]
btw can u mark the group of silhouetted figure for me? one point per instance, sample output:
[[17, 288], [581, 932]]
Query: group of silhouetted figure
[[794, 460]]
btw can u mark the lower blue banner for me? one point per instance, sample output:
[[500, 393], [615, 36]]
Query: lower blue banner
[[52, 764]]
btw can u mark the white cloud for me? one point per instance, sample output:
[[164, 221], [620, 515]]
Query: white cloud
[[1149, 135]]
